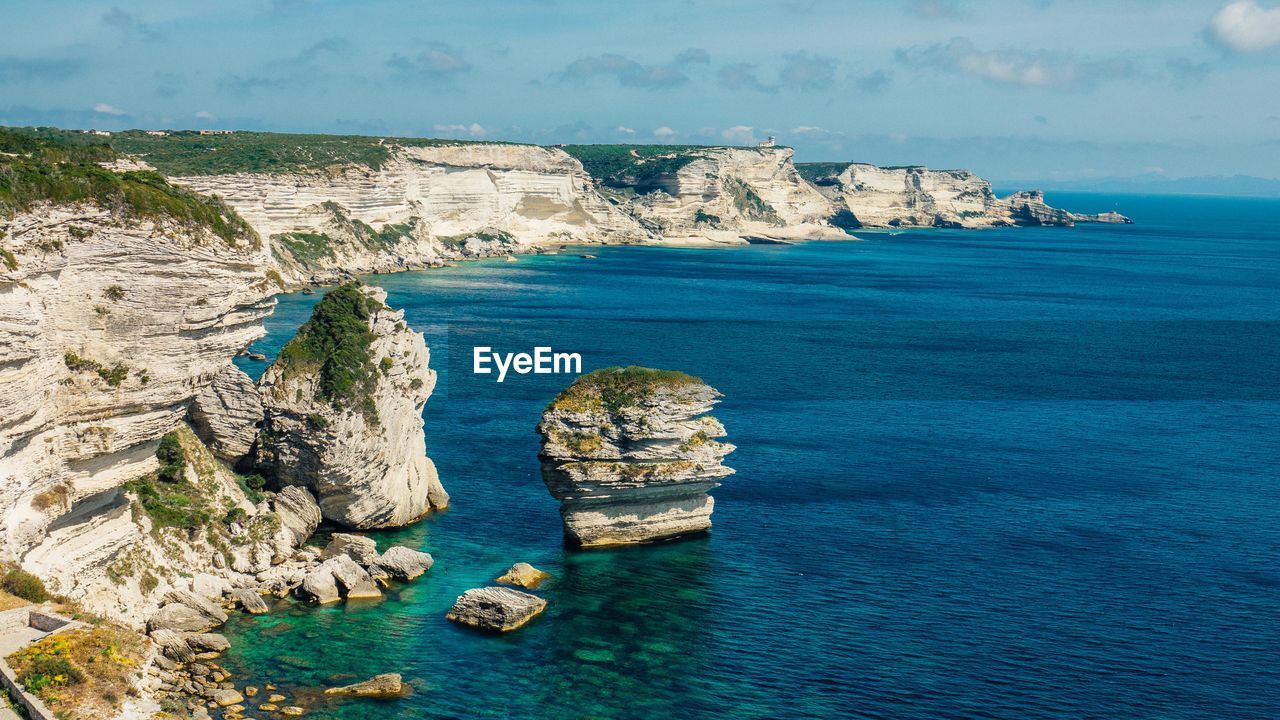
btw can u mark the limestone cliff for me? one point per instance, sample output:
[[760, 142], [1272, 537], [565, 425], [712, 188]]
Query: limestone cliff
[[631, 454], [344, 407], [719, 194], [870, 196], [420, 206]]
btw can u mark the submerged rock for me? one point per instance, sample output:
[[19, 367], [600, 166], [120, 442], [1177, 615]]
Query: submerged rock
[[523, 575], [343, 406], [631, 454], [387, 685], [498, 609]]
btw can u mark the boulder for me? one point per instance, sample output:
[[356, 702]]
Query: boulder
[[363, 453], [298, 512], [198, 602], [181, 618], [208, 642], [353, 578], [631, 455], [210, 586], [319, 586], [388, 685], [173, 645], [223, 698], [252, 602], [498, 609], [357, 547], [523, 575], [226, 413], [405, 564]]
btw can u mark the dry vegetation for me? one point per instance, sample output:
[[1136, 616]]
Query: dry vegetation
[[82, 674]]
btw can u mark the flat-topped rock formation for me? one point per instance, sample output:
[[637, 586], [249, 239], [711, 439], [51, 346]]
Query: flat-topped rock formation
[[631, 454], [497, 609], [343, 405], [870, 196]]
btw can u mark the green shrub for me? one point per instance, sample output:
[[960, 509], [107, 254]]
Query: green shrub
[[47, 671], [336, 341], [173, 460], [614, 388], [113, 292], [252, 486], [25, 585], [10, 261]]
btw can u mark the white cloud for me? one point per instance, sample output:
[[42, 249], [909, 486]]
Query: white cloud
[[474, 129], [740, 134], [664, 132], [623, 129], [106, 109], [206, 115], [1035, 68], [1245, 26]]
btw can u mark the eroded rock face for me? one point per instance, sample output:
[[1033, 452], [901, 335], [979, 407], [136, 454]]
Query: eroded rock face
[[916, 196], [497, 609], [343, 406], [424, 204], [631, 454], [226, 414]]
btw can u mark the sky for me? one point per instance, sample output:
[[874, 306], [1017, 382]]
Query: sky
[[1013, 89]]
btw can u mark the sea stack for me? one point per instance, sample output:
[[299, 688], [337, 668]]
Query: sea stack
[[343, 413], [631, 454]]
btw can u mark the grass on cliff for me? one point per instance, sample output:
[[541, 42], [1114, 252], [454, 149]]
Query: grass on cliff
[[187, 152], [57, 166], [614, 388], [82, 674], [637, 166], [335, 341], [819, 172]]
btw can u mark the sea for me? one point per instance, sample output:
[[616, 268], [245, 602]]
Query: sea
[[1012, 473]]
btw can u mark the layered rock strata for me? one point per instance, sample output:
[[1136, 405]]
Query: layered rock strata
[[343, 413], [421, 206], [496, 609], [226, 414], [631, 454], [869, 196]]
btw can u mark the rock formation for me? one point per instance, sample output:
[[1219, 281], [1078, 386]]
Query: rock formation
[[523, 575], [226, 413], [497, 609], [422, 205], [387, 685], [631, 454], [343, 409], [717, 194], [869, 196]]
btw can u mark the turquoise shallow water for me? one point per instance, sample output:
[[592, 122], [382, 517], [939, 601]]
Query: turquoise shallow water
[[1024, 555]]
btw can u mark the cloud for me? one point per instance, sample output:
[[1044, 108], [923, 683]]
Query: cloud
[[740, 135], [874, 81], [327, 46], [13, 69], [742, 76], [1245, 26], [624, 130], [129, 25], [630, 73], [248, 84], [474, 129], [1186, 72], [935, 9], [436, 61], [169, 84], [106, 109], [205, 115], [664, 132], [1019, 68], [807, 71], [813, 132]]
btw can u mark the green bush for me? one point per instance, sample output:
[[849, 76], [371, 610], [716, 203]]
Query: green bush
[[49, 671], [173, 460], [25, 585], [336, 341], [252, 486]]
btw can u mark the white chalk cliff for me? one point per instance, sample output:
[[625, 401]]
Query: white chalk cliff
[[915, 196], [363, 453]]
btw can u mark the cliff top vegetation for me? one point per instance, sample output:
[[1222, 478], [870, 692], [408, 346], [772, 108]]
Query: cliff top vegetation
[[614, 388], [39, 164], [336, 341]]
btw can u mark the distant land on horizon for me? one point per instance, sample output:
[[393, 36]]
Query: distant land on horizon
[[1153, 184]]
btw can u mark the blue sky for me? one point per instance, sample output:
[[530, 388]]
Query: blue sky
[[1015, 89]]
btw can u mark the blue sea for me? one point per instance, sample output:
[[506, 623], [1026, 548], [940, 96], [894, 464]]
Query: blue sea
[[1001, 523]]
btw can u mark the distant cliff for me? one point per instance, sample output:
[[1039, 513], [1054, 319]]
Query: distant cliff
[[720, 194], [870, 196]]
